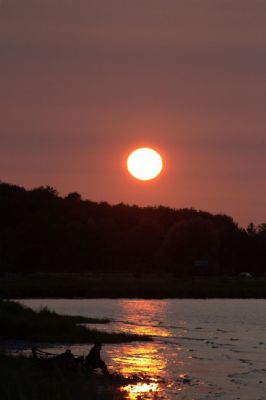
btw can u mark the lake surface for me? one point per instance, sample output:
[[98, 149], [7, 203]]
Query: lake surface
[[202, 349]]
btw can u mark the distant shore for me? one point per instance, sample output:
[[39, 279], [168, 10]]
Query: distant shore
[[147, 286]]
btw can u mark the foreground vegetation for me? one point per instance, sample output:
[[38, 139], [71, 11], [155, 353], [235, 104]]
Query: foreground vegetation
[[27, 379], [22, 323], [128, 286]]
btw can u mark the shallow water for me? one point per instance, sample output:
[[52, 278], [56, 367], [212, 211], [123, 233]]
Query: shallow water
[[202, 349]]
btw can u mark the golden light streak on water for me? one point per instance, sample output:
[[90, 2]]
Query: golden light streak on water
[[142, 359], [141, 390], [149, 310]]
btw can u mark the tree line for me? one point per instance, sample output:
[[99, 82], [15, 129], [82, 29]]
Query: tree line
[[41, 231]]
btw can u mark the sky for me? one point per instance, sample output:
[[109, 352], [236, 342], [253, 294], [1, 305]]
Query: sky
[[84, 82]]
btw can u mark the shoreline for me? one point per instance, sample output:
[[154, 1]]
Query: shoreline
[[118, 286], [19, 322]]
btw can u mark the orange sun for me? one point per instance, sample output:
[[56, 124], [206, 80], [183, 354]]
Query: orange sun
[[144, 164]]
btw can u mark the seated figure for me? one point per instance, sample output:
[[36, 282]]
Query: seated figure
[[66, 359], [93, 359]]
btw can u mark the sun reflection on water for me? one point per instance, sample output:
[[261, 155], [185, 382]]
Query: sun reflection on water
[[142, 359], [155, 369], [139, 359], [141, 390], [139, 317]]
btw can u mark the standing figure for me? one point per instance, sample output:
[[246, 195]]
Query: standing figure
[[34, 353], [93, 359]]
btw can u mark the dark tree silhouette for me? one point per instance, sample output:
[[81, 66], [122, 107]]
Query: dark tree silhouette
[[41, 231]]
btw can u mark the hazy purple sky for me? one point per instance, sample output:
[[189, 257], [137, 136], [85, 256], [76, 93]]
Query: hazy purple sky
[[84, 82]]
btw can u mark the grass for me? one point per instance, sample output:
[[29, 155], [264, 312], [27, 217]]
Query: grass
[[126, 286], [23, 378], [22, 323]]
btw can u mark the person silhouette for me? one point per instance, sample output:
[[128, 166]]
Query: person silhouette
[[93, 359], [34, 353], [66, 359]]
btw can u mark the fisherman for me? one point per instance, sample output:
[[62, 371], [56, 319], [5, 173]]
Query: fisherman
[[93, 359]]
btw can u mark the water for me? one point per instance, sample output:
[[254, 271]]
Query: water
[[202, 349]]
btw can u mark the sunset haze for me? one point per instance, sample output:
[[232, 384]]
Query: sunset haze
[[84, 83]]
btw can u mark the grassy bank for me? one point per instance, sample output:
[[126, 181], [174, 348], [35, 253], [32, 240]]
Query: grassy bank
[[24, 378], [128, 286], [22, 323]]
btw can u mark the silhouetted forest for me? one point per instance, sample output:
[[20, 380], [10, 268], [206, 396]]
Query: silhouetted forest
[[43, 232]]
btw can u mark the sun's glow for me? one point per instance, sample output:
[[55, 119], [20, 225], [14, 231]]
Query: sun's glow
[[144, 164]]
